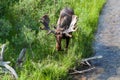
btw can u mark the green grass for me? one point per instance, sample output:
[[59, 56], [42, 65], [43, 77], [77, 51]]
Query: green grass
[[43, 62]]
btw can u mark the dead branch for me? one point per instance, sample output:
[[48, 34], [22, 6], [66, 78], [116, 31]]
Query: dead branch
[[83, 71], [86, 60], [5, 64], [2, 63], [11, 70], [21, 57], [92, 58], [2, 51]]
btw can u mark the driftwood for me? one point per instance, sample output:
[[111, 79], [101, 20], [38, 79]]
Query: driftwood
[[21, 57], [6, 64]]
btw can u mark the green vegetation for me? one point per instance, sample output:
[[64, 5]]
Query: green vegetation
[[19, 28]]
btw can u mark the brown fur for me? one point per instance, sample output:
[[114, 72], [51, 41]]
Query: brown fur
[[63, 24]]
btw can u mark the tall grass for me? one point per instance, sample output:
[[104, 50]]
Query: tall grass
[[43, 62]]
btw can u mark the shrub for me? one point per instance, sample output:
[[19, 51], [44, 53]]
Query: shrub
[[5, 28]]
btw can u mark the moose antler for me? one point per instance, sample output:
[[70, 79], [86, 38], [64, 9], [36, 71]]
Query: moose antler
[[45, 21], [72, 26]]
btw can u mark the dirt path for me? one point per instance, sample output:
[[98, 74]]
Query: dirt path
[[107, 44]]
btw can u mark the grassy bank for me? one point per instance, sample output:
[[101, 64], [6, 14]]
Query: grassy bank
[[20, 28]]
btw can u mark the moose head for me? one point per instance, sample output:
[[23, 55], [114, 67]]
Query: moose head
[[65, 26]]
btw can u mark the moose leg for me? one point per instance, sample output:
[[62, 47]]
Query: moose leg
[[58, 43], [67, 42]]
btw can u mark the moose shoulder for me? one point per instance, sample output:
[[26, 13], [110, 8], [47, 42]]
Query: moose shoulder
[[65, 26]]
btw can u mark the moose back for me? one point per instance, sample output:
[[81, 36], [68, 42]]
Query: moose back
[[64, 28]]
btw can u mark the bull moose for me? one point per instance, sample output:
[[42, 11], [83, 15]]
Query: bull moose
[[64, 28]]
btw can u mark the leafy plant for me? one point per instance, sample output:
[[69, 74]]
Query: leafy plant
[[5, 28]]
